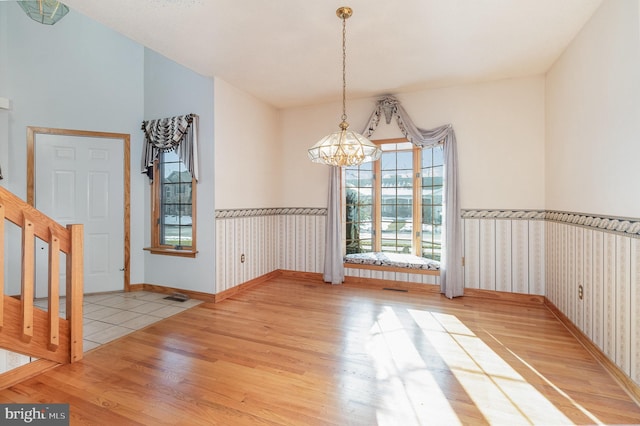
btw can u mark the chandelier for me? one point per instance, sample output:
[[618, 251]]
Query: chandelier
[[44, 11], [344, 147]]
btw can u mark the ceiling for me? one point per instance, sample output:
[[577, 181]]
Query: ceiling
[[288, 52]]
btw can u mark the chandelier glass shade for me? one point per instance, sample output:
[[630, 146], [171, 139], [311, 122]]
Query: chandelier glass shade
[[46, 12], [344, 147]]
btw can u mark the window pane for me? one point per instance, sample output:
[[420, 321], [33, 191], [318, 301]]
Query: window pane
[[405, 207], [437, 195], [389, 228], [184, 210], [351, 177], [431, 191], [427, 232], [175, 227], [405, 180], [170, 171], [185, 192], [176, 235], [364, 214], [438, 155], [352, 196], [427, 214], [427, 179], [359, 199], [427, 157], [389, 246], [389, 195], [170, 157], [365, 237], [431, 195], [186, 236], [365, 196], [388, 179], [366, 178], [427, 196], [388, 212], [365, 167], [405, 161], [402, 146], [437, 215], [388, 161], [404, 239]]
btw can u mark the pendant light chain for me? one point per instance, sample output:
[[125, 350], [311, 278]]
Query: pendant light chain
[[344, 68], [344, 148]]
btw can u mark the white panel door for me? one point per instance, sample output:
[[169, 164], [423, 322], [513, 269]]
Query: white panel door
[[80, 180]]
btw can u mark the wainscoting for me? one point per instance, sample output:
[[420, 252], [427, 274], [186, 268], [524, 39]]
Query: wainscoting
[[504, 250], [564, 256], [599, 258], [269, 239], [285, 238]]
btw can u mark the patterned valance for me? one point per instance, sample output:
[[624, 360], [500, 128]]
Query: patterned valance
[[179, 133], [390, 107]]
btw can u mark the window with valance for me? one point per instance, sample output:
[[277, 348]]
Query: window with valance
[[170, 160]]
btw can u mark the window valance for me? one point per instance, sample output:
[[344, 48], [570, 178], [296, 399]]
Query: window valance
[[179, 133]]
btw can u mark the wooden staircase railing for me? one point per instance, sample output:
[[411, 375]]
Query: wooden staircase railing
[[23, 328]]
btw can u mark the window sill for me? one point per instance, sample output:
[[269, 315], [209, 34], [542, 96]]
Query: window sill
[[171, 251]]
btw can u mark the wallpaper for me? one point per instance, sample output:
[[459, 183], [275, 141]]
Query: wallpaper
[[605, 264], [269, 239], [504, 250]]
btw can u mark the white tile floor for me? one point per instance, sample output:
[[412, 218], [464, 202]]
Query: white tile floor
[[112, 315]]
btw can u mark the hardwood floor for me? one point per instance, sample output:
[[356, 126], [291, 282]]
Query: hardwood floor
[[300, 352]]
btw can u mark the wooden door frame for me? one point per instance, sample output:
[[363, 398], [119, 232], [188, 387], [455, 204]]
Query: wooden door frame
[[32, 132]]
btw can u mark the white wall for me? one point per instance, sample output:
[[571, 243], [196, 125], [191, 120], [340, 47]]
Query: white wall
[[76, 74], [169, 90], [499, 128], [247, 163], [592, 151], [593, 117]]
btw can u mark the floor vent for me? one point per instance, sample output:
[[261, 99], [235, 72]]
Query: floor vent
[[396, 289], [177, 297]]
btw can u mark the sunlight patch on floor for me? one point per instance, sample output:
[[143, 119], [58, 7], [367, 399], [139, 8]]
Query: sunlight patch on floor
[[583, 410], [499, 392], [406, 387]]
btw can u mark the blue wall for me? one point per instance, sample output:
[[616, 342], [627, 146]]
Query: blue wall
[[79, 74], [171, 89]]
